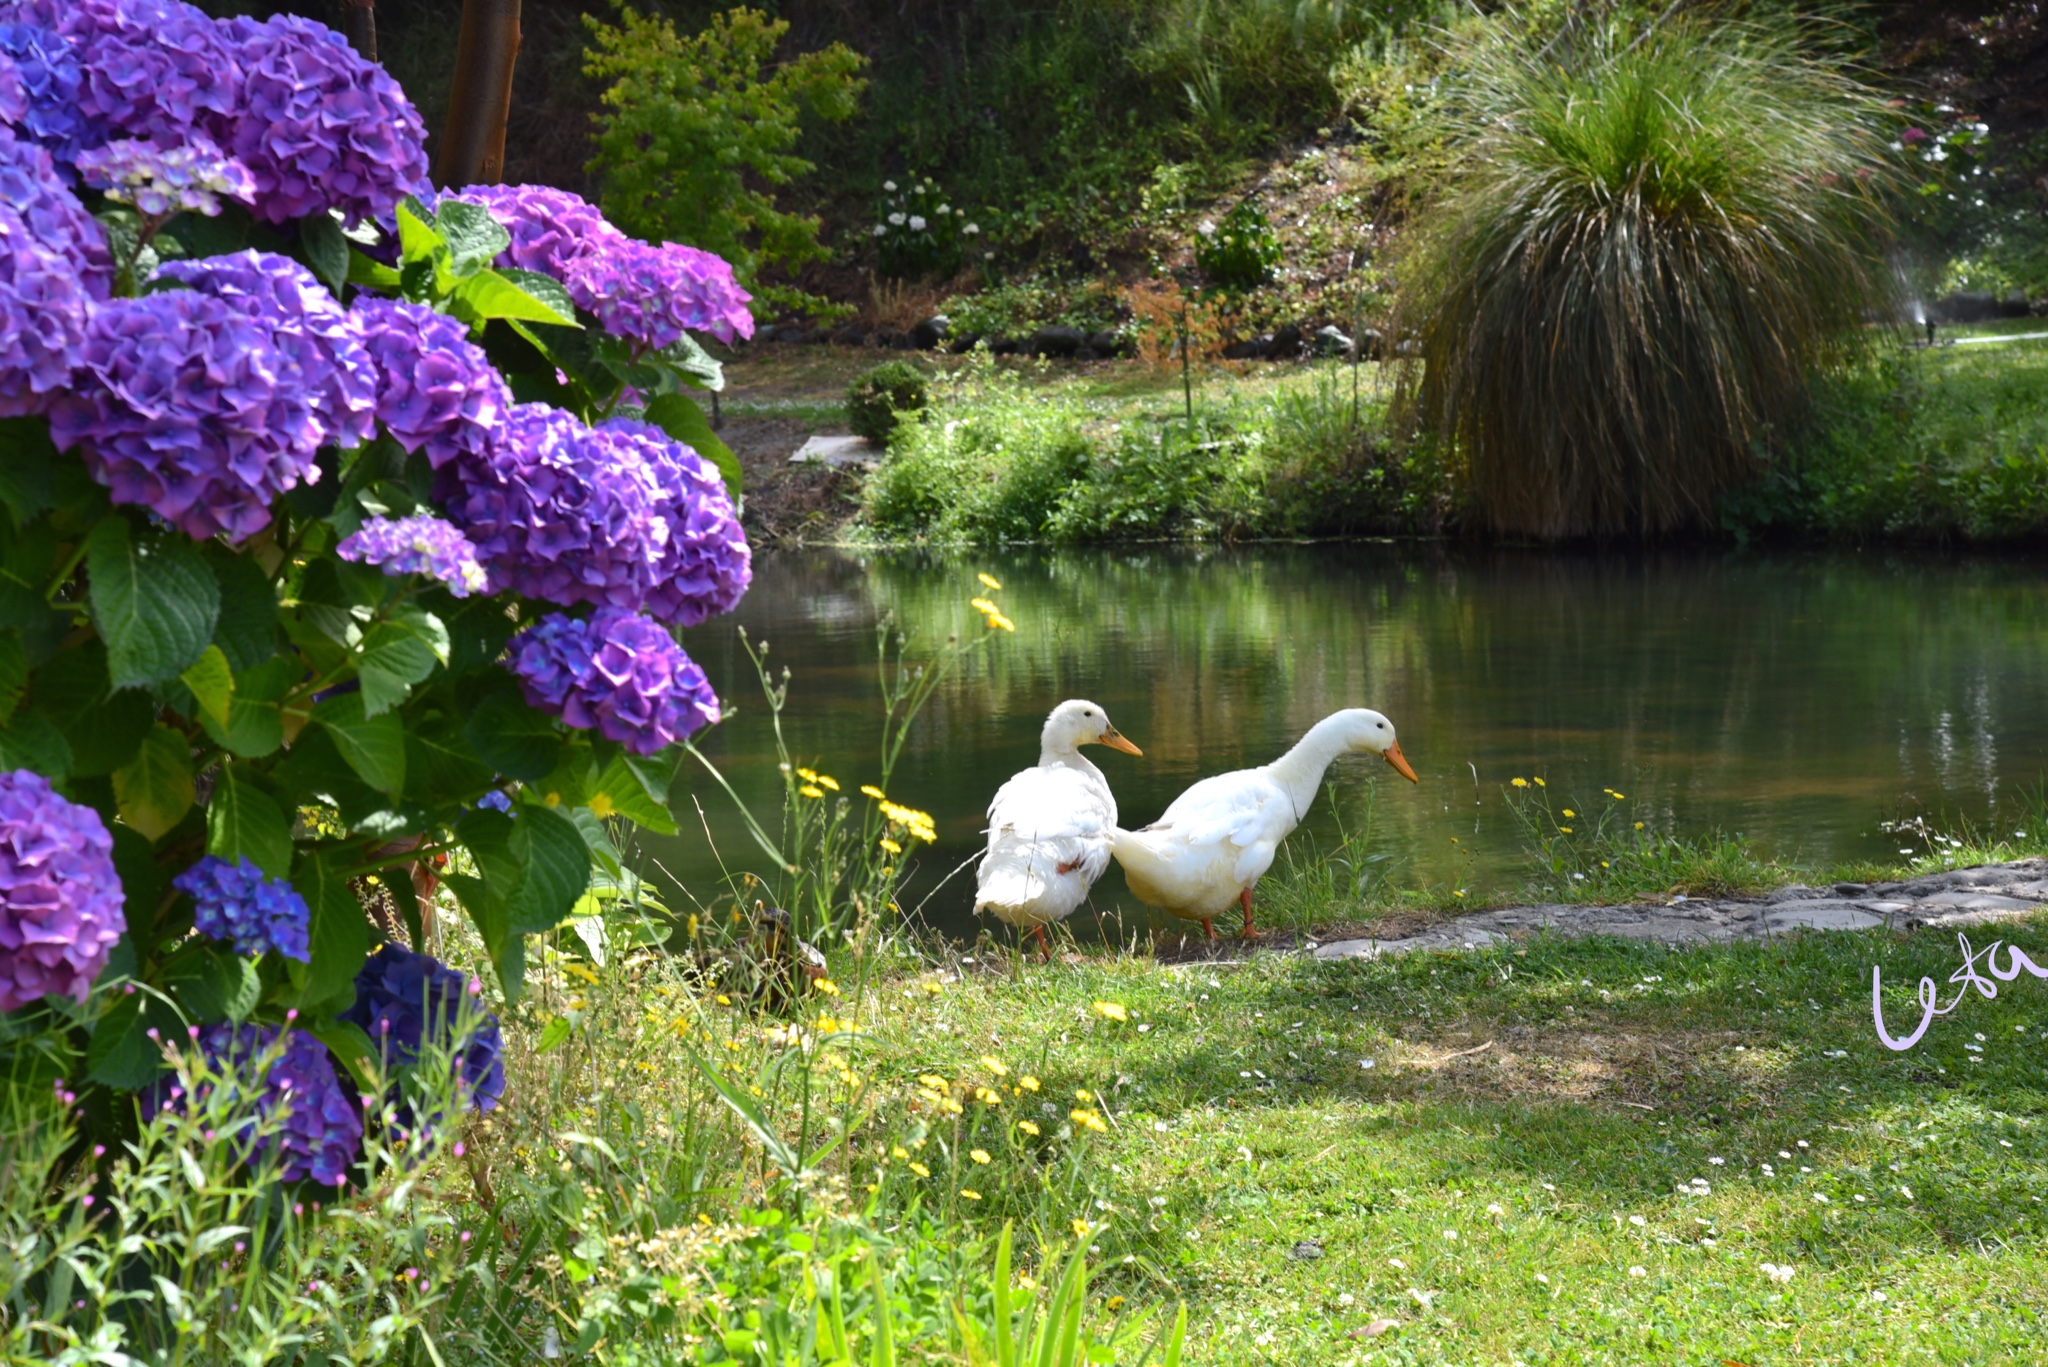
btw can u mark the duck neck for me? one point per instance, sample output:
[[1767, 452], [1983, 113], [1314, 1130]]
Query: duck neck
[[1064, 755], [1300, 770]]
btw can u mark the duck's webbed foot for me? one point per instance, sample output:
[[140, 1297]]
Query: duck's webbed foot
[[1245, 900]]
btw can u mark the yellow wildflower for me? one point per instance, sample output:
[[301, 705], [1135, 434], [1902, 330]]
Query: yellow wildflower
[[932, 1080], [979, 1155], [1566, 829], [1541, 784], [994, 1065], [891, 846], [996, 619], [1569, 812], [724, 1000], [1639, 825], [1114, 1303], [1083, 1094], [870, 790], [1028, 1083], [1521, 782], [983, 605], [900, 1154], [988, 1096], [1112, 1011], [1028, 1127], [1088, 1119], [921, 1170], [951, 1106], [934, 988], [970, 1195], [828, 987], [1080, 1228], [811, 790], [990, 582], [827, 781], [807, 775]]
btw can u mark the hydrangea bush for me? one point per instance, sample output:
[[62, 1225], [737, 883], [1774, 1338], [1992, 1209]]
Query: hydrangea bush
[[347, 521]]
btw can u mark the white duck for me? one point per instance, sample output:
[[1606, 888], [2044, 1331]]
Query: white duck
[[1219, 837], [1049, 828]]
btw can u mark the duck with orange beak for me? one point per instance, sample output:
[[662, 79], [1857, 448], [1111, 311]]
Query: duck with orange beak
[[1049, 827], [1211, 847]]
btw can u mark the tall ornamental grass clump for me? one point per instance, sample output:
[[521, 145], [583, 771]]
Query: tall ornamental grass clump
[[1651, 239]]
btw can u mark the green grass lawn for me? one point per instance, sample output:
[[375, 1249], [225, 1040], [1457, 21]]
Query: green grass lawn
[[1564, 1152]]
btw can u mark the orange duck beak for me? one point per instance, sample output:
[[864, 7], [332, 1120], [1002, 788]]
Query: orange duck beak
[[1400, 763]]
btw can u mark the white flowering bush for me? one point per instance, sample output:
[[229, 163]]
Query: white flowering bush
[[918, 232]]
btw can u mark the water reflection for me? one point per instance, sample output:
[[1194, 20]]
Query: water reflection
[[1795, 698]]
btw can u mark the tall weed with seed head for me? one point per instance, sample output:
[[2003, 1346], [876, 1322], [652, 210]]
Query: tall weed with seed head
[[1651, 238]]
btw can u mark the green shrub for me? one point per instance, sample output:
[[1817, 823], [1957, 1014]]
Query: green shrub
[[693, 128], [1654, 238], [1241, 251], [1003, 460], [1930, 445], [874, 400]]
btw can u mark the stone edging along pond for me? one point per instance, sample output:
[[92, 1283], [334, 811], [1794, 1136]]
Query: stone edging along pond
[[1980, 895]]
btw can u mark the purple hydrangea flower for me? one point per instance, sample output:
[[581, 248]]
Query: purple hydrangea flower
[[39, 80], [558, 510], [161, 181], [44, 306], [154, 69], [329, 367], [404, 1001], [618, 672], [238, 904], [646, 293], [495, 801], [319, 1126], [420, 544], [436, 391], [320, 127], [707, 565], [60, 900], [204, 408], [31, 186]]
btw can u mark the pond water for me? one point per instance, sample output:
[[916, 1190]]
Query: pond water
[[1797, 699]]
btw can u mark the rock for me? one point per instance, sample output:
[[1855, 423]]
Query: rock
[[1246, 351], [1966, 306], [1103, 343], [1087, 353], [1306, 1251], [963, 343], [2013, 305], [1794, 893], [891, 339], [1372, 344], [1330, 341], [849, 334], [1284, 344], [1852, 889], [1056, 341], [931, 332], [837, 452], [1004, 346]]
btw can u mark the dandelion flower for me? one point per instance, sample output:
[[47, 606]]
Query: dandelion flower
[[810, 790], [921, 1170], [1112, 1011], [1541, 784], [891, 846], [994, 1065], [1028, 1083], [996, 619], [982, 605], [1569, 812], [970, 1194], [1520, 782], [979, 1155], [990, 582], [870, 790], [827, 986], [1088, 1119], [1028, 1127]]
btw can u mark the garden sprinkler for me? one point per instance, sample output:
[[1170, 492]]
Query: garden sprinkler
[[1930, 332]]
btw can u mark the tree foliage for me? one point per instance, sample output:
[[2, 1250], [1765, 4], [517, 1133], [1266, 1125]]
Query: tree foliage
[[696, 131]]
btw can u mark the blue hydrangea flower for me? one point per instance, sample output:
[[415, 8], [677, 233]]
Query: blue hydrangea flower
[[162, 181], [319, 1124], [154, 69], [60, 900], [619, 673], [404, 1001], [236, 903], [43, 74], [436, 390], [420, 544]]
